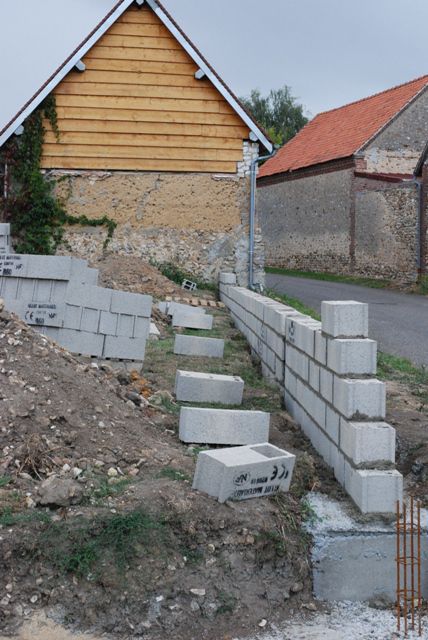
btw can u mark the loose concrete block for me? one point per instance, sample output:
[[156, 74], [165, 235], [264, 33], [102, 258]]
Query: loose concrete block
[[186, 308], [89, 344], [359, 398], [374, 491], [153, 330], [298, 362], [356, 356], [194, 346], [190, 320], [122, 348], [192, 386], [163, 307], [246, 472], [345, 319], [223, 426], [367, 442], [326, 384], [332, 424], [131, 304], [314, 375], [227, 278]]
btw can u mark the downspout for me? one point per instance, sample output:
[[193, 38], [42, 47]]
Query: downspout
[[253, 174], [420, 242]]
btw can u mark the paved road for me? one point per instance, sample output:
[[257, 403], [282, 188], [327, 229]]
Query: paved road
[[398, 321]]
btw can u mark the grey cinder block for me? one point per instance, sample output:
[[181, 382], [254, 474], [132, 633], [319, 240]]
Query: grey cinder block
[[194, 346], [131, 303], [91, 276], [173, 307], [227, 278], [345, 319], [352, 356], [223, 426], [124, 348], [367, 442], [190, 320], [85, 295], [141, 327], [89, 344], [240, 473], [359, 398], [14, 265], [192, 386], [374, 491]]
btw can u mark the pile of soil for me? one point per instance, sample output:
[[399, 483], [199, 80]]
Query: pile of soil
[[99, 525]]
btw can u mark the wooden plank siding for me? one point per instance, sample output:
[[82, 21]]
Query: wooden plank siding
[[138, 106]]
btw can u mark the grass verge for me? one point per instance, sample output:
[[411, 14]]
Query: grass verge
[[293, 302]]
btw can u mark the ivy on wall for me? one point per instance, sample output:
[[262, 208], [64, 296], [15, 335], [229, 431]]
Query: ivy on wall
[[36, 215]]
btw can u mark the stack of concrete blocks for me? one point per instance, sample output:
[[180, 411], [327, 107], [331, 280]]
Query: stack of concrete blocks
[[240, 473], [4, 238], [186, 316], [58, 295], [329, 387]]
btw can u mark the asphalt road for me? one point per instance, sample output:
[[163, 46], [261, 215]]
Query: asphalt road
[[398, 321]]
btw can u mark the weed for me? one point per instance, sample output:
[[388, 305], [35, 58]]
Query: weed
[[275, 539], [9, 518], [309, 514], [332, 277], [422, 286], [293, 302], [5, 480], [228, 602], [80, 546], [105, 490], [400, 369], [174, 474], [193, 556], [174, 273]]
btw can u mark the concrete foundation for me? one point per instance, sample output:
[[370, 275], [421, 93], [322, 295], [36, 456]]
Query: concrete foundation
[[353, 559]]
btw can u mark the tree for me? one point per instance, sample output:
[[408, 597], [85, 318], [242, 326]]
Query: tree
[[278, 112]]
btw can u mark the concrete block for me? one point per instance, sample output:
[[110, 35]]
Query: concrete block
[[311, 403], [290, 381], [223, 426], [122, 348], [279, 370], [192, 386], [320, 348], [194, 346], [131, 304], [85, 295], [91, 276], [186, 308], [4, 229], [190, 320], [275, 342], [141, 327], [298, 362], [359, 398], [79, 269], [374, 491], [332, 424], [345, 319], [41, 313], [90, 321], [108, 323], [246, 472], [275, 317], [301, 334], [314, 375], [356, 356], [13, 264], [73, 316], [326, 384], [367, 442], [88, 344], [163, 307], [337, 462], [125, 325], [227, 278], [291, 404]]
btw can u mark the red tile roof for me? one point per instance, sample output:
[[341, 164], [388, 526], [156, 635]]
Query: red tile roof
[[341, 132]]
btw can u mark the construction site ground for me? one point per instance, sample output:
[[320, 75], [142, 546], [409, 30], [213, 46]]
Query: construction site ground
[[132, 551]]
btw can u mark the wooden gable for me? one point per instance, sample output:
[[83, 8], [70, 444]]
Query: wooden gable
[[138, 107]]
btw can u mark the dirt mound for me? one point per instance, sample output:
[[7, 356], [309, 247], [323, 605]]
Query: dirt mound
[[125, 547], [133, 274]]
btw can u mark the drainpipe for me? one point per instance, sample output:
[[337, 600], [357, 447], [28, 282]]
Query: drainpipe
[[254, 167], [420, 257]]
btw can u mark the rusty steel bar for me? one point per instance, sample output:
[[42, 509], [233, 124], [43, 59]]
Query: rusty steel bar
[[412, 555], [419, 570], [398, 559], [405, 565]]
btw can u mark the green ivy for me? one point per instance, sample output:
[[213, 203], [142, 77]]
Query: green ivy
[[36, 215]]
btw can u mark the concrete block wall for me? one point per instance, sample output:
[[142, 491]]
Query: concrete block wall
[[59, 296], [327, 373]]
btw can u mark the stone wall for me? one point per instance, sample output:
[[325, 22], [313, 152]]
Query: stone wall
[[198, 221], [306, 222], [398, 147], [386, 229], [326, 370]]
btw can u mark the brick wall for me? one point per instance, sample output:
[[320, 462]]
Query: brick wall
[[327, 373]]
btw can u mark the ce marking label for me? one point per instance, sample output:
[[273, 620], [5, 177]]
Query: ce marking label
[[279, 473]]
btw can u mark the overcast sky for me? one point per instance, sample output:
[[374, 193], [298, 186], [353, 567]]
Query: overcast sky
[[329, 52]]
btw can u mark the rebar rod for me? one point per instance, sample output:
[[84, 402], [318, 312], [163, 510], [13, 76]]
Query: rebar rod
[[412, 554], [405, 565], [398, 569], [419, 570]]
